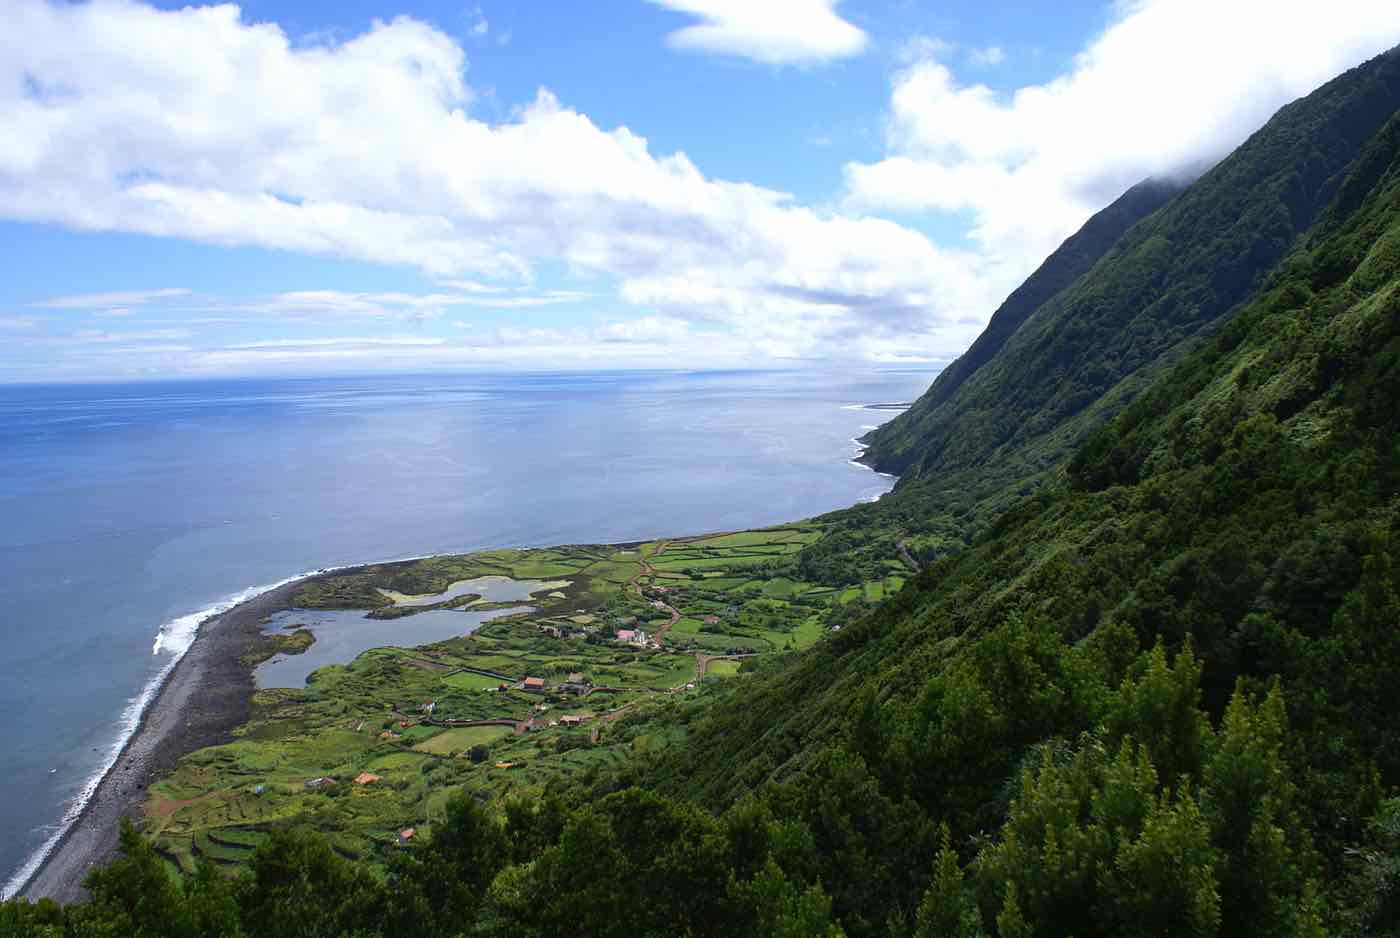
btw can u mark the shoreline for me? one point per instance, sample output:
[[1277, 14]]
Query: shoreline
[[205, 697]]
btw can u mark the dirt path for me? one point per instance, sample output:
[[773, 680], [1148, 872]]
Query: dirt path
[[609, 717], [907, 557], [635, 585]]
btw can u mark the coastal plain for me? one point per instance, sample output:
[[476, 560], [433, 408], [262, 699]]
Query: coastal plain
[[370, 750]]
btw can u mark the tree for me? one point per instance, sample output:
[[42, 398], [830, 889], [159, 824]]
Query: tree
[[135, 896], [298, 887], [947, 910]]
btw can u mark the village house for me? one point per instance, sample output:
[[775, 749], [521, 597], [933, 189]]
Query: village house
[[406, 836], [368, 778], [321, 781], [428, 707], [574, 719], [576, 684], [534, 685]]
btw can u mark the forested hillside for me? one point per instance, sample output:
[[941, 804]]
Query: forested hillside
[[893, 451], [1151, 694], [1160, 699], [1083, 352]]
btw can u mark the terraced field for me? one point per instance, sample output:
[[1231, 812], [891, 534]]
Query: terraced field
[[399, 713]]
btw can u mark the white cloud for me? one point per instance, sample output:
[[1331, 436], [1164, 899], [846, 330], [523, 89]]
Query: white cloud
[[1169, 84], [148, 335], [986, 56], [330, 304], [196, 124], [18, 322], [363, 342], [918, 48], [774, 32], [646, 342], [479, 27], [124, 117], [112, 302]]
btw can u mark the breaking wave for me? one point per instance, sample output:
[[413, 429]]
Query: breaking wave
[[173, 639]]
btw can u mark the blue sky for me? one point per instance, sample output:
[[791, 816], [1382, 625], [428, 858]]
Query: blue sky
[[305, 187]]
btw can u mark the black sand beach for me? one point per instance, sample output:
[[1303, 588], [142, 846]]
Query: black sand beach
[[208, 694]]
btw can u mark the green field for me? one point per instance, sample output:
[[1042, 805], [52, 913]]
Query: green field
[[364, 715], [463, 738], [466, 680]]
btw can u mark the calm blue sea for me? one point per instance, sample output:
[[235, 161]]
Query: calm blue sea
[[127, 512]]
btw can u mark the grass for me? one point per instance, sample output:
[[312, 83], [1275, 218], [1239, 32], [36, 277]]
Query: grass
[[466, 680], [722, 669], [463, 738], [220, 801]]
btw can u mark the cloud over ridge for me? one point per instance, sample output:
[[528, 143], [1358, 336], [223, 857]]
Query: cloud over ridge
[[774, 32]]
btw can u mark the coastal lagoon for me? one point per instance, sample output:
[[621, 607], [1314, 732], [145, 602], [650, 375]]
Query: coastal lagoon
[[132, 511], [341, 634]]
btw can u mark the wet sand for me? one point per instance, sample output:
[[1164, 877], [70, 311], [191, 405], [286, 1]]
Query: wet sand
[[207, 695]]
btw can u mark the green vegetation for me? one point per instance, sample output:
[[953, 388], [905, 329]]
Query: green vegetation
[[292, 642], [1116, 658], [297, 759]]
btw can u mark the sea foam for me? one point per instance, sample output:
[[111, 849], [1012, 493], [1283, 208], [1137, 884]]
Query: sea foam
[[173, 639]]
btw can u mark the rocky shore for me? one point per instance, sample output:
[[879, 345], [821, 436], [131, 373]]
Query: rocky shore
[[207, 695]]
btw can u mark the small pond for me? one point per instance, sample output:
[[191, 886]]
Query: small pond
[[342, 634]]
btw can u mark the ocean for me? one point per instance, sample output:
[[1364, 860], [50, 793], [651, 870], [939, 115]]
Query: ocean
[[132, 512]]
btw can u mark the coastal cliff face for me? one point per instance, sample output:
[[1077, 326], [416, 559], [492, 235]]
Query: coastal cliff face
[[1041, 378], [893, 446], [1150, 692]]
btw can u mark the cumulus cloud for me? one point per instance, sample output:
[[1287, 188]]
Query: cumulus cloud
[[198, 124], [1169, 84], [194, 123], [774, 32]]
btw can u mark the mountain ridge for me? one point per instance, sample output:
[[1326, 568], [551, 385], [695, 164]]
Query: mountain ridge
[[1172, 275]]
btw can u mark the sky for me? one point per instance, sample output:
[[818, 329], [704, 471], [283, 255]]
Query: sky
[[297, 187]]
